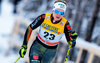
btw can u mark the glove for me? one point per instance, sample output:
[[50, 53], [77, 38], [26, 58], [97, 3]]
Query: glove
[[74, 35], [72, 43], [23, 50]]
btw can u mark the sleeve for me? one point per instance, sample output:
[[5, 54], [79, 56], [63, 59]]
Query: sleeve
[[67, 31], [36, 23]]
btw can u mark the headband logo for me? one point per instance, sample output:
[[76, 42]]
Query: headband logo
[[61, 5]]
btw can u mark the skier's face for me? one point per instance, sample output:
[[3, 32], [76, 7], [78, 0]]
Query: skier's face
[[58, 14]]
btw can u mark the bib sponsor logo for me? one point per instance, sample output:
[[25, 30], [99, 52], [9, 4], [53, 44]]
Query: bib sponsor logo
[[47, 18], [32, 25], [62, 22], [49, 27], [59, 32]]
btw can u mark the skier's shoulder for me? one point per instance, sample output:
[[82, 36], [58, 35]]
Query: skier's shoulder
[[42, 16], [63, 18]]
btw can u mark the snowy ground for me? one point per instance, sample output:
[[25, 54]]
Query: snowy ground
[[6, 26]]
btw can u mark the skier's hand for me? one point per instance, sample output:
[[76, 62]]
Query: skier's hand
[[74, 35], [72, 43], [23, 50]]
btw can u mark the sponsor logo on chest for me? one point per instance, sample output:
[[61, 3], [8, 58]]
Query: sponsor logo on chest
[[50, 28], [62, 22], [47, 18]]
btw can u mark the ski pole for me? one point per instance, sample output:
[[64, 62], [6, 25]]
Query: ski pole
[[17, 59], [67, 54]]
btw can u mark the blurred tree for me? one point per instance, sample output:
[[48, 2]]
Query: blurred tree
[[93, 19], [90, 27], [32, 8], [82, 12], [68, 12], [15, 3], [32, 5], [76, 15]]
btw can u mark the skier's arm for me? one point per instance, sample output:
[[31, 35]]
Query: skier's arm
[[67, 31], [70, 36], [36, 23]]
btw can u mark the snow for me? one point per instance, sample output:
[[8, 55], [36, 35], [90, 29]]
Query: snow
[[6, 19], [6, 26]]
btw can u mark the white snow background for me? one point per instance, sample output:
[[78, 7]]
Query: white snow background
[[6, 26]]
